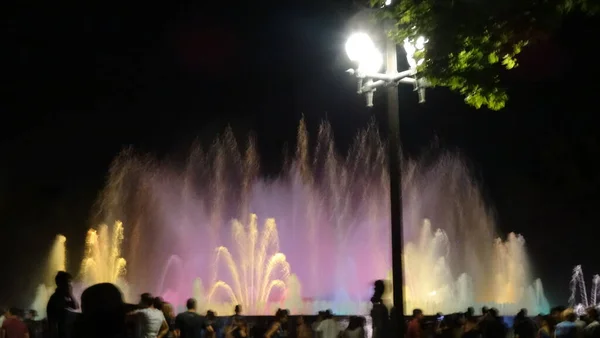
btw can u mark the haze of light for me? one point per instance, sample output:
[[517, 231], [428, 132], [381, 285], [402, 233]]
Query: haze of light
[[332, 232]]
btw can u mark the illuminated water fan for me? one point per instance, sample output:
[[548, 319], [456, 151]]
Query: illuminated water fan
[[256, 272], [103, 262]]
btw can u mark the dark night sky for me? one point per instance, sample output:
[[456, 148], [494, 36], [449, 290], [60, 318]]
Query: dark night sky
[[85, 79]]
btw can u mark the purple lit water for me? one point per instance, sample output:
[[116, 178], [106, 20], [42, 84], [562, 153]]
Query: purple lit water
[[320, 234]]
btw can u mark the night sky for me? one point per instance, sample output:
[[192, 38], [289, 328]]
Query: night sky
[[85, 79]]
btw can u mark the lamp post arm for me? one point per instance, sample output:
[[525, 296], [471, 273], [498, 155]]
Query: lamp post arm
[[403, 77], [385, 77]]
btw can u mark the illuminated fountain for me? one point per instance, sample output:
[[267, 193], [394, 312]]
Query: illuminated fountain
[[580, 301], [332, 215], [57, 261], [437, 289], [103, 262], [258, 270]]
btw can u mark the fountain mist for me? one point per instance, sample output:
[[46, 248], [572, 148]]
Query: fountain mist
[[254, 271], [332, 215]]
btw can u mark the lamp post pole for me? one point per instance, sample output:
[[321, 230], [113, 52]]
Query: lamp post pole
[[361, 49], [395, 165]]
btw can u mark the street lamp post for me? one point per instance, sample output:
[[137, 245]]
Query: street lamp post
[[395, 172], [362, 50]]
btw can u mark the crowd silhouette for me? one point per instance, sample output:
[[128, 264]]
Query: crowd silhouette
[[104, 314]]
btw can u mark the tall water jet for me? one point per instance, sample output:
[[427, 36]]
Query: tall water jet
[[199, 294], [57, 261], [42, 296], [579, 297], [293, 296]]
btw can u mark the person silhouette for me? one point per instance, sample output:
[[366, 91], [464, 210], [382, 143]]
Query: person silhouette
[[61, 306], [103, 313], [379, 313]]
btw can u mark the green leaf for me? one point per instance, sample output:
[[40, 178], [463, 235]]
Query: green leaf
[[509, 62], [493, 58]]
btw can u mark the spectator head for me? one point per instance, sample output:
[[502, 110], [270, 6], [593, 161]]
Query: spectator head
[[168, 310], [379, 287], [102, 312], [146, 300], [191, 304], [158, 303], [238, 309], [592, 314], [13, 312], [418, 314], [378, 291], [556, 313], [31, 314], [569, 315], [63, 280], [281, 315]]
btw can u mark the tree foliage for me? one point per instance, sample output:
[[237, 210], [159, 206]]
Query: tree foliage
[[471, 41]]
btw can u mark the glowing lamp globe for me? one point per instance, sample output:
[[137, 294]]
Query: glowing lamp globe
[[358, 45], [360, 48], [371, 63]]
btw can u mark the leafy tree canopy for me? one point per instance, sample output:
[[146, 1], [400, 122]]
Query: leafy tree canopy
[[471, 41]]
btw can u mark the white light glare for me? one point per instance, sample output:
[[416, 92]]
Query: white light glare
[[420, 43], [360, 48], [388, 2], [357, 45], [412, 46]]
